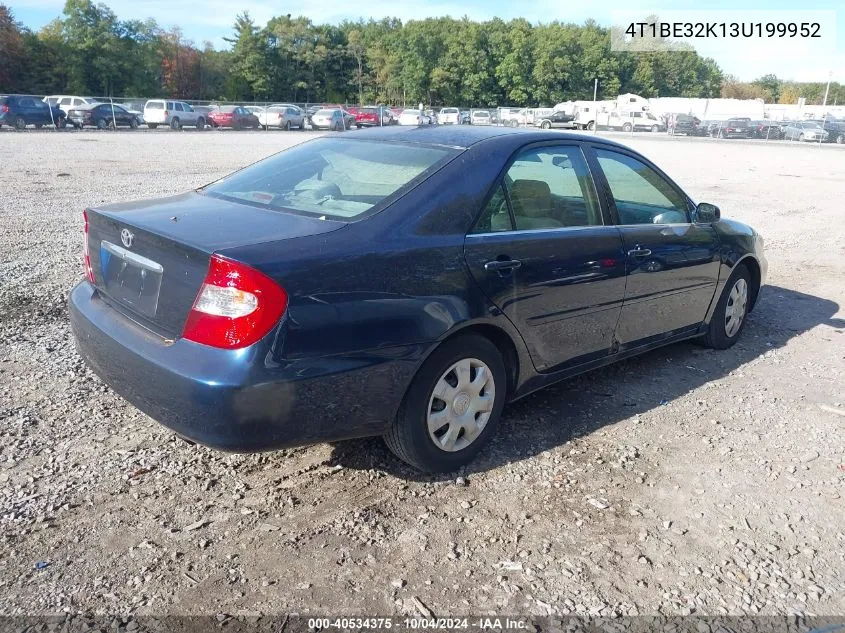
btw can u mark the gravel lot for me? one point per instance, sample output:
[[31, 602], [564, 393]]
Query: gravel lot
[[684, 481]]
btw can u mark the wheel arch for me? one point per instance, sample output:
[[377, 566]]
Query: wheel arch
[[753, 266]]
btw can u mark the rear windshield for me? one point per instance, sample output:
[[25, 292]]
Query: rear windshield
[[332, 178], [155, 105], [368, 111], [449, 111]]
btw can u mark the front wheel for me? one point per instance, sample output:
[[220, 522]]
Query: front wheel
[[627, 127], [102, 124], [729, 317], [61, 123], [655, 128], [133, 123], [452, 407], [200, 124], [175, 124], [545, 125], [801, 137], [20, 123]]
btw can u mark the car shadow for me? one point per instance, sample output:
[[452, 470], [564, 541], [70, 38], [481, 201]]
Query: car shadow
[[585, 404]]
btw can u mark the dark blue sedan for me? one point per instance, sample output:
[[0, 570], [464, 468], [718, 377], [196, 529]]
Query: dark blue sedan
[[403, 282]]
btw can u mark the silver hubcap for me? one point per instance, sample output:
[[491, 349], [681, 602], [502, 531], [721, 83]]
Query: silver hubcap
[[735, 310], [461, 404]]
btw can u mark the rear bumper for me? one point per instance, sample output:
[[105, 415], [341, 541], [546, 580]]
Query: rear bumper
[[239, 400]]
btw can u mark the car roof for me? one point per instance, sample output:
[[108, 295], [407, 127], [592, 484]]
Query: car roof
[[465, 136]]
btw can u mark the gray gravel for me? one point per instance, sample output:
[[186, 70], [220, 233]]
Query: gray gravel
[[685, 481]]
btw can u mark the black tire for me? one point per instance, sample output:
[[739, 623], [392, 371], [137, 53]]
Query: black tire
[[61, 123], [200, 126], [133, 123], [175, 124], [716, 336], [152, 126], [287, 126], [101, 124], [655, 128], [38, 126], [20, 123], [408, 437], [545, 125], [627, 127]]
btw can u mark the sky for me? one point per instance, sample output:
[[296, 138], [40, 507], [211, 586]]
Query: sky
[[802, 60]]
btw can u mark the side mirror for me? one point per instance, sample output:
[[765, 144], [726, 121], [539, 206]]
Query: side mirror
[[706, 213]]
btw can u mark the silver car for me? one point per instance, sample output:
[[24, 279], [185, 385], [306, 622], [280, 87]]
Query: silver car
[[281, 116], [805, 131]]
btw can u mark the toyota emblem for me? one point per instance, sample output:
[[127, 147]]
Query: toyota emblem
[[127, 238]]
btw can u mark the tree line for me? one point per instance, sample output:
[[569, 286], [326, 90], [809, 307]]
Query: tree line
[[439, 61]]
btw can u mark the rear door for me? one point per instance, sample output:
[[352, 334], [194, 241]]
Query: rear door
[[544, 254], [672, 263]]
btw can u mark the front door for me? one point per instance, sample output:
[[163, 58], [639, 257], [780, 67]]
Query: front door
[[543, 253], [672, 264]]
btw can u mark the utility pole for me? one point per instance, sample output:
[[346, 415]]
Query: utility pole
[[595, 101], [827, 90]]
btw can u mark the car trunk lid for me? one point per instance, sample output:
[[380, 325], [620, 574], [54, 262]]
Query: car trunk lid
[[150, 258]]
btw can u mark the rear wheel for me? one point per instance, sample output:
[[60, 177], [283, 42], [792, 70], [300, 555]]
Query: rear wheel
[[101, 124], [545, 125], [20, 123], [452, 407], [626, 127], [200, 124], [287, 126], [840, 139], [655, 128], [133, 123], [801, 136], [61, 123], [175, 124], [729, 317]]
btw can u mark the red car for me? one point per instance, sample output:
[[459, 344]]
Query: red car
[[234, 117], [368, 116]]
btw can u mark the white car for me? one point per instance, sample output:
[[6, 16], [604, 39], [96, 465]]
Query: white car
[[449, 116], [67, 102], [480, 117], [175, 114], [285, 117], [412, 116]]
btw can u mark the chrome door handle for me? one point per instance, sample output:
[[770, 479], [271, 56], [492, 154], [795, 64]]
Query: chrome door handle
[[499, 265], [639, 252]]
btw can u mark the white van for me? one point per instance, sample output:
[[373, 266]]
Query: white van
[[67, 102]]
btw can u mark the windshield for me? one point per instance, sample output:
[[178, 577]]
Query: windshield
[[334, 178]]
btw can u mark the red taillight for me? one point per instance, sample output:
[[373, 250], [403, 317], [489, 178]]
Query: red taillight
[[236, 306], [5, 108], [86, 257], [165, 113]]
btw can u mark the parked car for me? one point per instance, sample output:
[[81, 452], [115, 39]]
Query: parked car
[[66, 102], [412, 116], [284, 117], [679, 123], [102, 116], [766, 129], [17, 111], [733, 128], [834, 128], [260, 311], [175, 114], [805, 131], [331, 119], [556, 120], [465, 117], [235, 117], [480, 117], [370, 116], [431, 115], [136, 108], [450, 116]]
